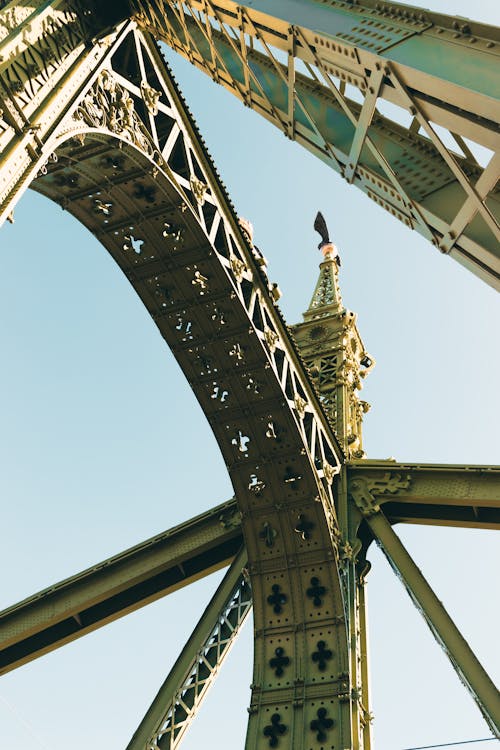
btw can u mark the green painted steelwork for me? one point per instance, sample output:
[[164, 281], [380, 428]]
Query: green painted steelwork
[[434, 495], [78, 605], [442, 626], [194, 671], [291, 62]]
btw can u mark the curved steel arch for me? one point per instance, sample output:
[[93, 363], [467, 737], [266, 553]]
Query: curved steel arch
[[142, 185], [108, 138]]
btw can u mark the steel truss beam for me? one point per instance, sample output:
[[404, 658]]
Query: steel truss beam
[[458, 651], [119, 585], [194, 672], [430, 494], [292, 63]]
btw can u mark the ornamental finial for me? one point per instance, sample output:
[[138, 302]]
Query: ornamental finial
[[328, 249]]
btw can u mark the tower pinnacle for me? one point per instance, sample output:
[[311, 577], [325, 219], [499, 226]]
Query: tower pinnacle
[[326, 299], [330, 343]]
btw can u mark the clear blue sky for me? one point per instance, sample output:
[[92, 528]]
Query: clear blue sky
[[103, 445]]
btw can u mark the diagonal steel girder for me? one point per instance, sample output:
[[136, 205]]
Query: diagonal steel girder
[[291, 62], [366, 493], [181, 695], [111, 589], [453, 643]]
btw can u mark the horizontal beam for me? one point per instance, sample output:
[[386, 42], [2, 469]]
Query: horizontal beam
[[465, 496], [119, 585]]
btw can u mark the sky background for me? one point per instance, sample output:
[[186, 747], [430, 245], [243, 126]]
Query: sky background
[[102, 443]]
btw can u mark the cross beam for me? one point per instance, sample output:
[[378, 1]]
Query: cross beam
[[119, 585], [430, 494], [466, 496]]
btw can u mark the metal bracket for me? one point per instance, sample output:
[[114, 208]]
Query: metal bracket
[[364, 490]]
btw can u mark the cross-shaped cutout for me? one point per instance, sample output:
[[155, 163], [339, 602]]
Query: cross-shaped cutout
[[145, 192], [277, 598], [200, 281], [315, 592], [279, 662], [253, 385], [268, 534], [102, 208], [113, 162], [241, 441], [322, 655], [321, 724], [132, 243], [274, 730], [291, 476], [256, 485], [271, 431], [236, 352], [219, 393], [172, 232], [303, 527], [219, 316]]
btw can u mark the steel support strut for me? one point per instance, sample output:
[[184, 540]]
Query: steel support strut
[[182, 693], [119, 585], [470, 671]]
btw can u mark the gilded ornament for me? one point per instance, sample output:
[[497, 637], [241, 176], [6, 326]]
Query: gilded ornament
[[150, 97], [199, 189], [300, 405], [328, 472], [271, 338], [237, 267]]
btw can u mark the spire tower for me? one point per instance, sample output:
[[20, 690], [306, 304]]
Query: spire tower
[[331, 346]]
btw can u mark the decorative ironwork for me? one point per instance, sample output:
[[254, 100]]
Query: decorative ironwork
[[109, 105], [150, 97], [277, 599], [316, 592], [190, 225], [322, 656], [279, 661], [274, 730], [322, 724], [199, 189]]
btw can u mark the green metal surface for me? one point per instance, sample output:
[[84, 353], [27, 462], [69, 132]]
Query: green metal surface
[[429, 494], [78, 605], [187, 683], [286, 59], [442, 626], [206, 289]]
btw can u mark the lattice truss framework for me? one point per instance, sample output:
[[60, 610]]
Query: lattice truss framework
[[325, 75], [101, 129], [197, 666]]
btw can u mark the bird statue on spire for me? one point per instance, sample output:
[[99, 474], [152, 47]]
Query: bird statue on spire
[[326, 246]]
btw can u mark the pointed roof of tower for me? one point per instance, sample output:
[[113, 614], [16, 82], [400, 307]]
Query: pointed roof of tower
[[326, 299]]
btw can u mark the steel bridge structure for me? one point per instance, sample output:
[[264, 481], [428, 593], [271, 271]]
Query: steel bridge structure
[[91, 118]]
